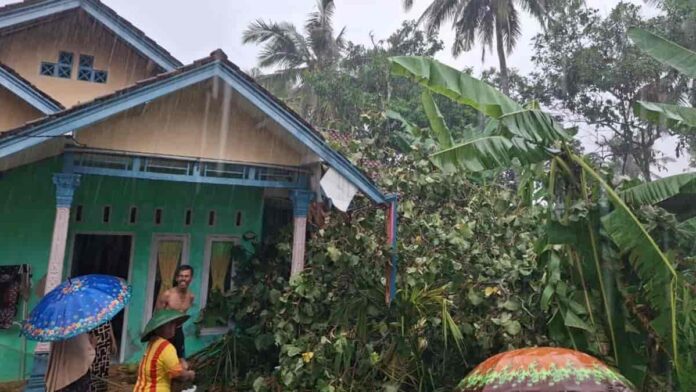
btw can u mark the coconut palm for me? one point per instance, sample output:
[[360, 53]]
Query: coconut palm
[[485, 21], [290, 53]]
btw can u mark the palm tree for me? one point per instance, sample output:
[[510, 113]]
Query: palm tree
[[482, 20], [291, 54]]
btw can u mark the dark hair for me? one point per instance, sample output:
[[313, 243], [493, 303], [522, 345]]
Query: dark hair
[[182, 267]]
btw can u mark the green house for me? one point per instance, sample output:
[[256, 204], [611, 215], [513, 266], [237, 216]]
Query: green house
[[117, 159]]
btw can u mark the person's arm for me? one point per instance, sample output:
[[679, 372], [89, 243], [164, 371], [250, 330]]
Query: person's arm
[[173, 365], [162, 300], [186, 375]]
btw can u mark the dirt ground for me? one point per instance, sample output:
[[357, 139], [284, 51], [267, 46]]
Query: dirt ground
[[121, 378]]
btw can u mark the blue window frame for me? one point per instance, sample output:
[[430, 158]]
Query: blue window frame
[[61, 69], [65, 58], [47, 69], [86, 61], [87, 73]]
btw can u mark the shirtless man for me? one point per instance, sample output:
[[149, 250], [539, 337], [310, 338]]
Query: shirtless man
[[178, 298]]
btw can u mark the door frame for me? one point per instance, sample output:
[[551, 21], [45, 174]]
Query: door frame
[[152, 267], [126, 309]]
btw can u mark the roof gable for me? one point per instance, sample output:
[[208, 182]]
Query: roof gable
[[30, 10], [216, 65], [31, 94]]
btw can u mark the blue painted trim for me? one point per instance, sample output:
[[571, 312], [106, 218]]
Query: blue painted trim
[[66, 184], [119, 27], [39, 367], [300, 202], [28, 93], [149, 49], [189, 179], [36, 11], [247, 89]]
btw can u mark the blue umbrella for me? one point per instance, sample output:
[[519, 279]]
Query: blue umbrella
[[76, 306]]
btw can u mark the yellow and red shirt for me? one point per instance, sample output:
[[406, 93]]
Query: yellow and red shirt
[[159, 365]]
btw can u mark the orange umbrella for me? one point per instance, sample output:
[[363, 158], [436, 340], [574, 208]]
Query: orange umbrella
[[543, 369]]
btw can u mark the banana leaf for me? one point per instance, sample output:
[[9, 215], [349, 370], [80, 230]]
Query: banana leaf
[[660, 281], [659, 190], [477, 154], [535, 126], [456, 85], [437, 121], [665, 51], [670, 116]]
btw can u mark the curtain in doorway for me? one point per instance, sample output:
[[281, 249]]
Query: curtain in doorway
[[220, 259], [168, 258]]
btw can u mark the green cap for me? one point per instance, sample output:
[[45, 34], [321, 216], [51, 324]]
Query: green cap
[[161, 317]]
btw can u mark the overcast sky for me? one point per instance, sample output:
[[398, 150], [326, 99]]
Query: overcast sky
[[191, 29]]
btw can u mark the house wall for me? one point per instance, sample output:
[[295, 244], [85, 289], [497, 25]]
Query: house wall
[[76, 32], [14, 111], [27, 210], [27, 205], [195, 122]]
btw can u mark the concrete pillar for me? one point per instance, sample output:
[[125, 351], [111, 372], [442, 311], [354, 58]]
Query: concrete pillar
[[300, 204], [65, 189]]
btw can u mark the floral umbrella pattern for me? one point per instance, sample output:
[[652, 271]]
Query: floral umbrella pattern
[[543, 369], [76, 306]]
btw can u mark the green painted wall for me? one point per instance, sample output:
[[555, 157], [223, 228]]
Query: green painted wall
[[27, 211], [27, 207], [174, 198]]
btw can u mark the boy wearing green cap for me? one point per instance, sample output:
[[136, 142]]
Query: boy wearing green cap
[[160, 364]]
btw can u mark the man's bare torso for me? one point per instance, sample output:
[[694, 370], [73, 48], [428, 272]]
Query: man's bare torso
[[175, 299]]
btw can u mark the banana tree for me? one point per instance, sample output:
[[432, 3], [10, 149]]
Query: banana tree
[[630, 288], [678, 57]]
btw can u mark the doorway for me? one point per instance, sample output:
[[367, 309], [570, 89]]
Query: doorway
[[106, 254]]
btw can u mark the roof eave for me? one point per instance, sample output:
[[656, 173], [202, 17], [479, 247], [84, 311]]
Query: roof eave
[[29, 93]]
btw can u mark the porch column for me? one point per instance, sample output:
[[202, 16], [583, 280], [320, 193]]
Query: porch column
[[300, 207], [65, 189]]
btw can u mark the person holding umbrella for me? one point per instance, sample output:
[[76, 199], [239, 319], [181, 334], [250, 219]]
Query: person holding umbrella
[[160, 363], [65, 316]]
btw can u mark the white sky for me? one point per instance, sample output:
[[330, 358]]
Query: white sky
[[192, 29]]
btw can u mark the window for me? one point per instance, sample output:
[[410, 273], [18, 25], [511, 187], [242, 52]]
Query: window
[[187, 217], [211, 218], [219, 268], [78, 213], [158, 216], [87, 73], [86, 61], [133, 215], [61, 69], [106, 214], [166, 254], [238, 219]]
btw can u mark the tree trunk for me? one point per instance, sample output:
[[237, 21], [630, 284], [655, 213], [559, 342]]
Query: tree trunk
[[504, 82]]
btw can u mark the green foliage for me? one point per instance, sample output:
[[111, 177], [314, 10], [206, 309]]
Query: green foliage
[[665, 51], [660, 190], [632, 269], [588, 66], [468, 287]]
